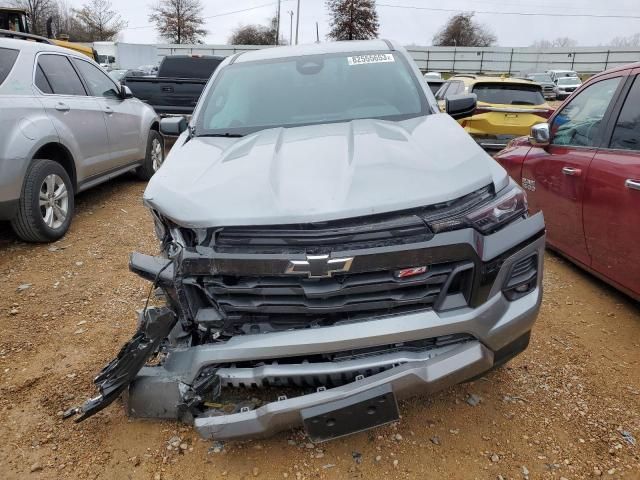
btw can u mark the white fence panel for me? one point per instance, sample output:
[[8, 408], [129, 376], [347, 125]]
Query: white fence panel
[[469, 59]]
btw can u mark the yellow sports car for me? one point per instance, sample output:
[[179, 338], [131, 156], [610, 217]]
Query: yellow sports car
[[507, 107]]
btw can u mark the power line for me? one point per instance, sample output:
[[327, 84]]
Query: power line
[[556, 5], [524, 14], [218, 14]]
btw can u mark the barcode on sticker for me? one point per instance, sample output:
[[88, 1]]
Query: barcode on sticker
[[373, 58]]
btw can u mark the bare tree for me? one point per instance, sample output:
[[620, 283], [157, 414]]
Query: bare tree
[[256, 34], [462, 30], [252, 35], [626, 42], [39, 11], [353, 19], [179, 21], [560, 42], [98, 18], [61, 18]]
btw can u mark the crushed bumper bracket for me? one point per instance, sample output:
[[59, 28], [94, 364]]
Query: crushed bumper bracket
[[155, 325]]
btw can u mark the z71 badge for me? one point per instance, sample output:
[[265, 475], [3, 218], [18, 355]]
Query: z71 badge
[[529, 184]]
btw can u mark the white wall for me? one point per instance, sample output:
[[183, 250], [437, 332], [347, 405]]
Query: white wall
[[469, 59]]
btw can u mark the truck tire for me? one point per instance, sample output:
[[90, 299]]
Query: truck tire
[[154, 157], [46, 205]]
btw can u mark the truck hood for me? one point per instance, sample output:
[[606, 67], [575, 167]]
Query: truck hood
[[319, 172]]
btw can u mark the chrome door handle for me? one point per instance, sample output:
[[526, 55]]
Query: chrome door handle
[[572, 172], [632, 184], [62, 107], [108, 110]]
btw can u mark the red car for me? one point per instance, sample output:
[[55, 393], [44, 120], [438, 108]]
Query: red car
[[583, 170]]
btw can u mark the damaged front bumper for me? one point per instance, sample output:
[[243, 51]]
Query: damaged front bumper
[[428, 376], [347, 376], [155, 325]]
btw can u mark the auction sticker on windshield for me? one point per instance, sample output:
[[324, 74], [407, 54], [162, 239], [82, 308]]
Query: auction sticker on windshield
[[373, 58]]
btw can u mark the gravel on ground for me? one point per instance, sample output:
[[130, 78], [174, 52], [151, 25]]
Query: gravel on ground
[[569, 407]]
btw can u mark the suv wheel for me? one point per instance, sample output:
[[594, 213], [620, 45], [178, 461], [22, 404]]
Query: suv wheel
[[46, 204], [154, 158]]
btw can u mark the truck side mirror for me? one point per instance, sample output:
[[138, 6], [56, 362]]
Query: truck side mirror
[[540, 135], [126, 92], [461, 106], [173, 126]]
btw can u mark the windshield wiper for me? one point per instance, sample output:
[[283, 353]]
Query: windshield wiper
[[225, 134]]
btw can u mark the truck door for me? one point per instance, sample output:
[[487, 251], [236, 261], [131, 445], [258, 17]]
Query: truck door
[[612, 198], [557, 173]]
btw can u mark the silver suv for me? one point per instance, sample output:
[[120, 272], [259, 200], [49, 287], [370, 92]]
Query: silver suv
[[329, 235], [65, 127]]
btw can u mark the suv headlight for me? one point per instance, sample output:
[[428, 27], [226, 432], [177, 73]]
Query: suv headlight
[[502, 210]]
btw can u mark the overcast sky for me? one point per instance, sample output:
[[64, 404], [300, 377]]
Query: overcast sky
[[411, 25]]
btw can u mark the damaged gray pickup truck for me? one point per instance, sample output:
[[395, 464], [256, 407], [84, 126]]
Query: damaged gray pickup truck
[[330, 243]]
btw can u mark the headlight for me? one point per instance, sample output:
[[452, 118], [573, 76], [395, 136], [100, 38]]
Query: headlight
[[500, 211], [159, 226], [486, 217]]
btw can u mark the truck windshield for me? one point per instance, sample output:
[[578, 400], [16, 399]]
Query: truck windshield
[[296, 91], [13, 21]]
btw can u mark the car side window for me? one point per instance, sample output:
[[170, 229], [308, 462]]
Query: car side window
[[41, 81], [580, 121], [100, 85], [59, 73], [7, 59], [626, 134]]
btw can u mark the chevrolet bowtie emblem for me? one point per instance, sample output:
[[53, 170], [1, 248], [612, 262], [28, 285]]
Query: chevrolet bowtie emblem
[[319, 266]]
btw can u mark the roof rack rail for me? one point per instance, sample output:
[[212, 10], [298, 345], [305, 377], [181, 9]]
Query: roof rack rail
[[464, 75], [25, 36]]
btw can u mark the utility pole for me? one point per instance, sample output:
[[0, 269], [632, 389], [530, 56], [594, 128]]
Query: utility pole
[[290, 12], [297, 21], [317, 34], [278, 25]]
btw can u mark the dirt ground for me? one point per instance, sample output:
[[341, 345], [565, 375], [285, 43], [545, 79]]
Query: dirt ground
[[569, 407]]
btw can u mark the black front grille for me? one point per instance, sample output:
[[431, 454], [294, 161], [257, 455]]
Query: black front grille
[[291, 299], [385, 229], [319, 237]]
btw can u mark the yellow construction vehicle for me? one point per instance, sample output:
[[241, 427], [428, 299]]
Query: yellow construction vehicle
[[17, 20]]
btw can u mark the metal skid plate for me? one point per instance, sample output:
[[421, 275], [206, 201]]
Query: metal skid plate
[[356, 413]]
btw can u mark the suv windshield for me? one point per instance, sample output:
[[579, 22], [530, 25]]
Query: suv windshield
[[568, 73], [568, 81], [509, 94], [306, 90]]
